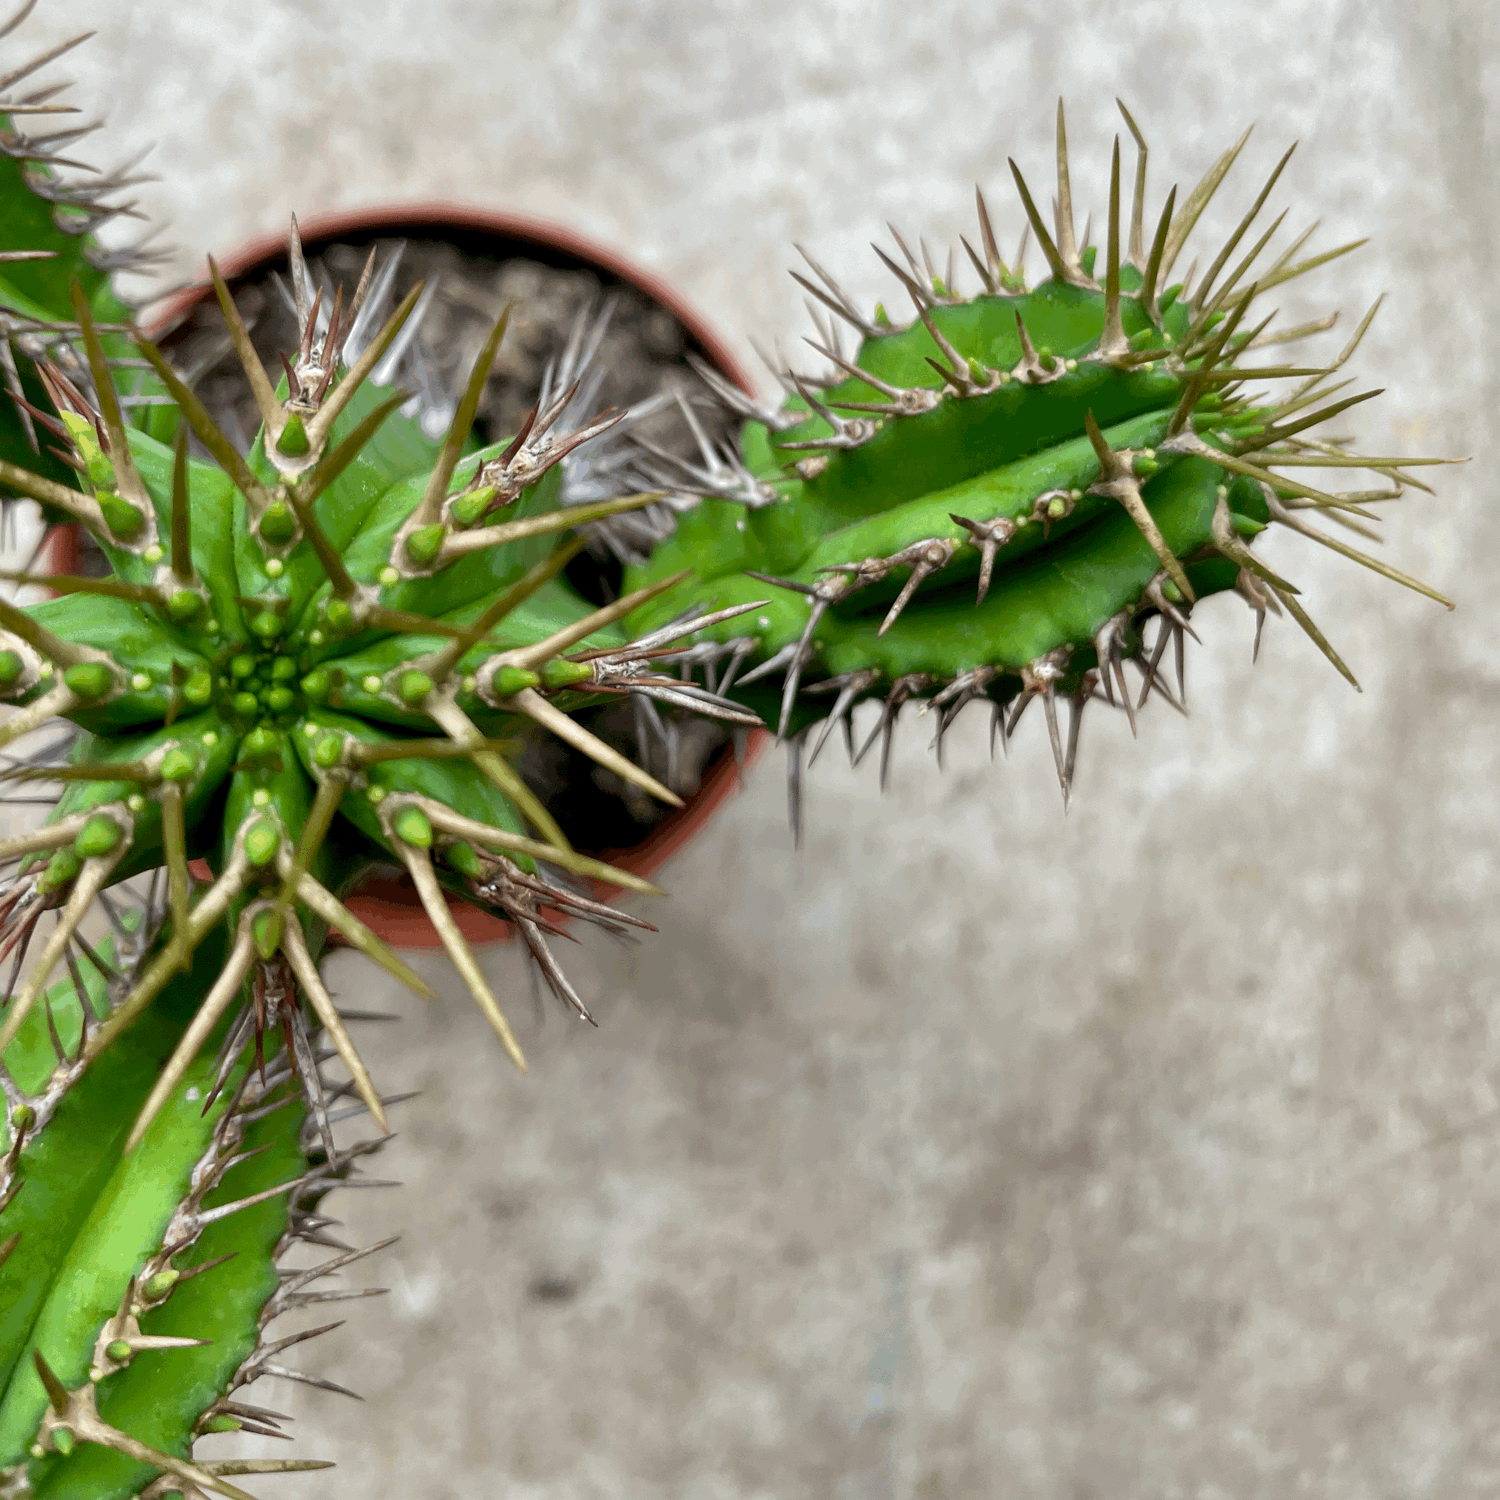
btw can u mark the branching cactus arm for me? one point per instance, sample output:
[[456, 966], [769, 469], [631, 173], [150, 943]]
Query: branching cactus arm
[[1017, 494]]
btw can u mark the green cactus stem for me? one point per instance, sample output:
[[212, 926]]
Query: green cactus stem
[[996, 500]]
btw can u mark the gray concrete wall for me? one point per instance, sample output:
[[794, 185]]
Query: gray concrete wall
[[974, 1150]]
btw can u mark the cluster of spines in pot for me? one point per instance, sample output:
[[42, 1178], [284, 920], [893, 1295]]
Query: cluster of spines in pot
[[302, 661], [992, 502], [278, 632]]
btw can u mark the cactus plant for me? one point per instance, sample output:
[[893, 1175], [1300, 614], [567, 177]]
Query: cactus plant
[[310, 657]]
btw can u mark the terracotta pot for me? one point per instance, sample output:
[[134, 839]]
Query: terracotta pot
[[390, 906]]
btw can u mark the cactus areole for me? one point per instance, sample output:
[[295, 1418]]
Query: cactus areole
[[314, 656]]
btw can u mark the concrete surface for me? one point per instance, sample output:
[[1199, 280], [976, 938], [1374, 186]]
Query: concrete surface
[[1143, 1154]]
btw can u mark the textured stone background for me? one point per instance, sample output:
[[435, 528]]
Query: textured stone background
[[974, 1151]]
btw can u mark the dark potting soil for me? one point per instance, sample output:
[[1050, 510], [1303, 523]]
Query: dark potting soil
[[643, 352]]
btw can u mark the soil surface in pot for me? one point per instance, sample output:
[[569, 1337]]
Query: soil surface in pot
[[642, 353]]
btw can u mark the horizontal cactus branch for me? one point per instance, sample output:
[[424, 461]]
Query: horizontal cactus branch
[[996, 500]]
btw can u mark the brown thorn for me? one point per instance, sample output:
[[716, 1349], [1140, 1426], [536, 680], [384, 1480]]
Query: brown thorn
[[1060, 269], [794, 787], [462, 423], [1113, 341], [1067, 245], [992, 258], [989, 537], [987, 281], [926, 558], [1049, 706], [1136, 255], [1289, 518], [1239, 233], [1197, 201], [261, 389], [1146, 295]]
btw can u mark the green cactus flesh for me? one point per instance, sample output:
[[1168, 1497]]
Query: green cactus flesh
[[135, 1286], [994, 501]]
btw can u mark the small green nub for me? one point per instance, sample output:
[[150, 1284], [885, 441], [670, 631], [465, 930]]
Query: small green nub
[[184, 604], [279, 700], [508, 681], [242, 667], [177, 765], [246, 705], [411, 826], [199, 687], [260, 742], [118, 1350], [278, 525], [338, 615], [89, 679], [267, 624], [561, 673], [61, 868], [10, 667], [467, 509], [1244, 525], [63, 1440], [465, 860], [424, 544], [122, 518], [316, 684], [265, 928], [1057, 508], [98, 836], [329, 751], [22, 1117], [222, 1424], [283, 669], [1169, 296], [159, 1285], [293, 440], [412, 687], [262, 841]]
